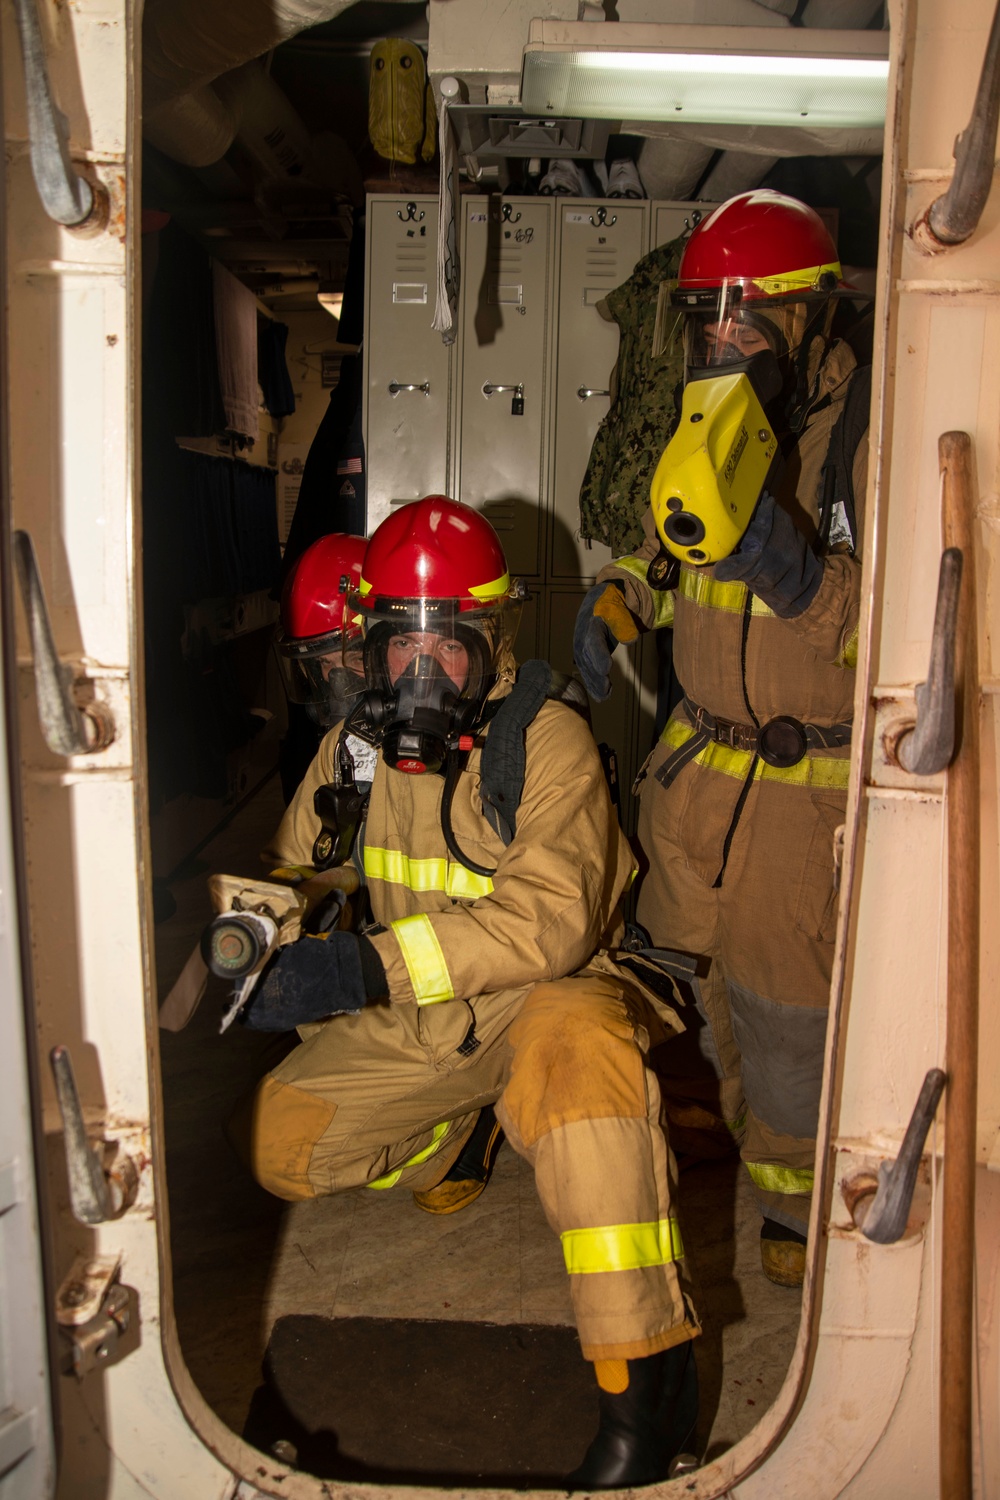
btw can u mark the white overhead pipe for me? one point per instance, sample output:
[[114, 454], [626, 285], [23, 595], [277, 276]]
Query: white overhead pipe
[[188, 43]]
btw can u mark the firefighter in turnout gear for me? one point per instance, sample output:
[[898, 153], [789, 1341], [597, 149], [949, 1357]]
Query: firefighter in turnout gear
[[487, 992], [743, 796]]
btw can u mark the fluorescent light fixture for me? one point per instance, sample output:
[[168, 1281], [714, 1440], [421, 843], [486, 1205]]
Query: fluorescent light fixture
[[718, 75]]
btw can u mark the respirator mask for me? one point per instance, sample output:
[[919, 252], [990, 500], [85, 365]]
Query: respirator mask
[[429, 669], [323, 673]]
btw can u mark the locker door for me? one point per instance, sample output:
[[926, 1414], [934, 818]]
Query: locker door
[[408, 368], [671, 219], [599, 244], [506, 320]]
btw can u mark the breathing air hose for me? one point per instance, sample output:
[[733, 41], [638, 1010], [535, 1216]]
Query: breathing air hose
[[453, 771]]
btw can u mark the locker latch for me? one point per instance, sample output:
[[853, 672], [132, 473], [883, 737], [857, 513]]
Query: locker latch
[[517, 396]]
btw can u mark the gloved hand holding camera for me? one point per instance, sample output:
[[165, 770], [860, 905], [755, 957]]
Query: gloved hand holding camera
[[775, 561]]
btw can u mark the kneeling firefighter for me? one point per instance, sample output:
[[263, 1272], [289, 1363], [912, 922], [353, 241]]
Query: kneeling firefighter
[[741, 800], [486, 992], [318, 648]]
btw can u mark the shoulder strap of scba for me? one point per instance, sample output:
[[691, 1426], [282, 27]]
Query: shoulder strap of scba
[[503, 762], [837, 485]]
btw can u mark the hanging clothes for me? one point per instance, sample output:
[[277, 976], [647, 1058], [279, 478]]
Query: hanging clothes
[[236, 340], [649, 371], [276, 383], [180, 360]]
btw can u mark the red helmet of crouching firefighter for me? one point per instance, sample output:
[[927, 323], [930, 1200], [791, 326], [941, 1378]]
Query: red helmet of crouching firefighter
[[439, 613], [319, 643]]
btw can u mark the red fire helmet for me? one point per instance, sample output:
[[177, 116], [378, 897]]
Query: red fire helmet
[[769, 244], [314, 598], [435, 549]]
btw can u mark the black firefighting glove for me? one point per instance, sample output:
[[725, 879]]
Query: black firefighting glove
[[314, 978], [602, 623], [775, 561]]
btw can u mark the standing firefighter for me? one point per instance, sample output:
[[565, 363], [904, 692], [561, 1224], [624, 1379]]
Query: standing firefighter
[[487, 977], [742, 798]]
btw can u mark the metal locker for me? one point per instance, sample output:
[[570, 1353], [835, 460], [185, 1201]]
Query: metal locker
[[599, 245], [407, 366], [501, 458], [671, 219]]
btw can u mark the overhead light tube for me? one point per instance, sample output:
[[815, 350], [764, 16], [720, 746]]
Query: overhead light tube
[[707, 74]]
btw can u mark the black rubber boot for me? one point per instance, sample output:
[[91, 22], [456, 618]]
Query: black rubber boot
[[642, 1430], [471, 1172]]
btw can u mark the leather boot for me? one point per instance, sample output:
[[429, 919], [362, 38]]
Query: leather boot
[[643, 1428], [471, 1172], [782, 1254]]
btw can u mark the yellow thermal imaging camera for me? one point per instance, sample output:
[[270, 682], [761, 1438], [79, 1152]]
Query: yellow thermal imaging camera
[[710, 477]]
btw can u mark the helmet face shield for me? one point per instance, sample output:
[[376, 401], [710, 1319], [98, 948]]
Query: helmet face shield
[[724, 325], [463, 638], [324, 673]]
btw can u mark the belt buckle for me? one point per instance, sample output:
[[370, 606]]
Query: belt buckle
[[782, 742]]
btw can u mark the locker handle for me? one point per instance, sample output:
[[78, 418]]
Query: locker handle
[[495, 390], [395, 386], [586, 391]]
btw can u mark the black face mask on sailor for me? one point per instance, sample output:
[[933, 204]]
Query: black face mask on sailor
[[419, 705]]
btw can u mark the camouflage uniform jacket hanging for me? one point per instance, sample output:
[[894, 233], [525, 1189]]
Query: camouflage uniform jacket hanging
[[401, 118], [643, 412]]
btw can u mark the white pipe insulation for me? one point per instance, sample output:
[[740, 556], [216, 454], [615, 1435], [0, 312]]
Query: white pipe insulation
[[188, 43]]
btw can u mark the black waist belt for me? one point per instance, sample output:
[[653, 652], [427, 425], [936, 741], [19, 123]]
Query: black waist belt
[[781, 742]]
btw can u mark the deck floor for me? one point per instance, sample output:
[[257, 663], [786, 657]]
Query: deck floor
[[241, 1259]]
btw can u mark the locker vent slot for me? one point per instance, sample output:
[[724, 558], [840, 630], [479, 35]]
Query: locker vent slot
[[500, 514]]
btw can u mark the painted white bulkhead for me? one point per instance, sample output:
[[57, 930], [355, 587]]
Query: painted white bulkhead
[[857, 1414]]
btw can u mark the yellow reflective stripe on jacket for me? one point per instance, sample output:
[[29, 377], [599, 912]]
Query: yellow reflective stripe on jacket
[[424, 959], [849, 655], [397, 868], [813, 770], [701, 588], [772, 1179], [622, 1247], [662, 600], [391, 1178]]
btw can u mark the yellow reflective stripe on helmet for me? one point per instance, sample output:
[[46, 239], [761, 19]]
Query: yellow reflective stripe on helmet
[[813, 770], [492, 590], [391, 1178], [622, 1247], [423, 875], [772, 1179], [795, 281], [701, 588], [424, 959], [662, 599], [849, 655]]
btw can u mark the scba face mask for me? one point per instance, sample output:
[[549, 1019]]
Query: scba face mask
[[325, 674], [429, 669]]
